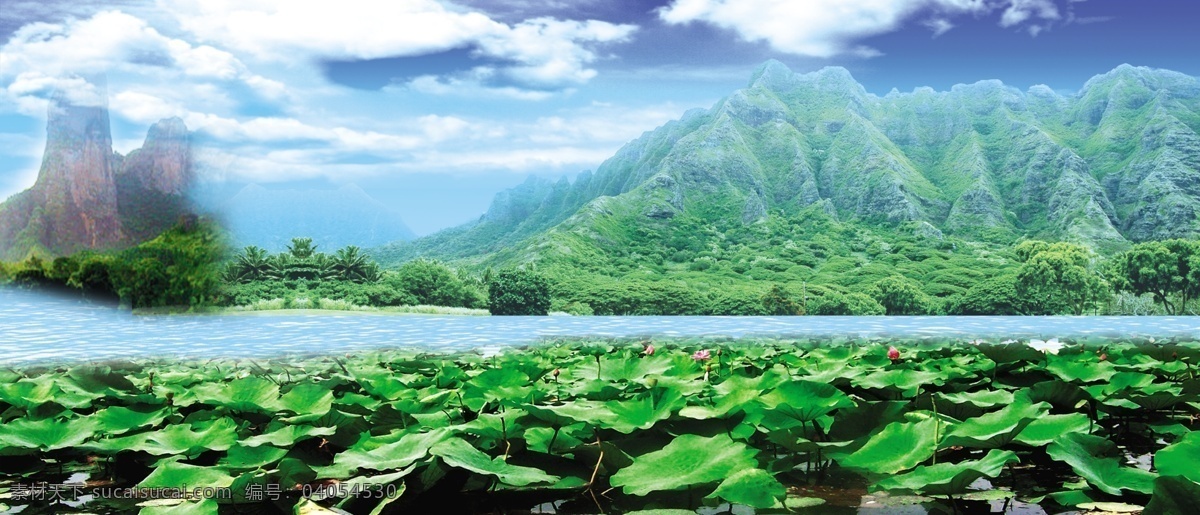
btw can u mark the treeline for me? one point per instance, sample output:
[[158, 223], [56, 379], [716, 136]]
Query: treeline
[[302, 277], [179, 268], [1044, 279]]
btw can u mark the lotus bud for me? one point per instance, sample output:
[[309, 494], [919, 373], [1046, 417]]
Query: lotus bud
[[651, 382], [649, 350], [893, 354], [555, 374], [1103, 356]]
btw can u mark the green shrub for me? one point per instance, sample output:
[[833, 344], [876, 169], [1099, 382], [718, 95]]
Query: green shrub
[[518, 292]]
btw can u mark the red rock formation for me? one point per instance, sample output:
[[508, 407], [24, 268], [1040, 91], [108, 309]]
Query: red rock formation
[[164, 162]]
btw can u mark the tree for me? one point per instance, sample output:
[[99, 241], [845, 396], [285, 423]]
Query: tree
[[349, 264], [1058, 278], [432, 283], [302, 248], [834, 303], [516, 291], [1168, 270], [994, 296], [778, 301], [900, 296], [252, 264]]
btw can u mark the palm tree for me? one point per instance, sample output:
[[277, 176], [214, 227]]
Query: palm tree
[[302, 248], [349, 264], [252, 264]]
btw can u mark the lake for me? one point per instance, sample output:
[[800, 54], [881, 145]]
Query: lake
[[36, 327]]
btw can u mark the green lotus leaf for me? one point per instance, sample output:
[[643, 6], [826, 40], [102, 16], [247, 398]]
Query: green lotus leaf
[[643, 411], [308, 401], [1089, 456], [979, 399], [805, 401], [539, 438], [863, 419], [1058, 393], [1046, 428], [46, 434], [116, 420], [241, 457], [735, 393], [902, 381], [1180, 458], [998, 428], [286, 436], [292, 471], [1075, 369], [586, 411], [1010, 352], [456, 452], [173, 474], [395, 455], [752, 487], [248, 394], [631, 370], [1173, 495], [33, 393], [899, 446], [686, 461], [200, 507], [949, 478], [182, 439]]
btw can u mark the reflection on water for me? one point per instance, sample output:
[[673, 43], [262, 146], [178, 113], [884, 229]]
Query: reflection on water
[[37, 327]]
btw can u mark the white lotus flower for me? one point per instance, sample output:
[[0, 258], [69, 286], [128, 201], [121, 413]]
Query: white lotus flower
[[1050, 346]]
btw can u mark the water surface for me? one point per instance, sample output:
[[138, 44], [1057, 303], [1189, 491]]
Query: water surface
[[36, 327]]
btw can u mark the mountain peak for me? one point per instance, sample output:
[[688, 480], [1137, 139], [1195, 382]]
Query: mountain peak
[[769, 73]]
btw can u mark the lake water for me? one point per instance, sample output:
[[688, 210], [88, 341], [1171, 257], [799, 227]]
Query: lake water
[[36, 327]]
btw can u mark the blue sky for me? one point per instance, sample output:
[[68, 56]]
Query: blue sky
[[434, 106]]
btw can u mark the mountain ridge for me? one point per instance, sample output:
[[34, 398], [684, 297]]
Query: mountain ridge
[[1116, 162]]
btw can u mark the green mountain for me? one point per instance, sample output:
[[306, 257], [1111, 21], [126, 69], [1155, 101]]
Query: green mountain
[[982, 164]]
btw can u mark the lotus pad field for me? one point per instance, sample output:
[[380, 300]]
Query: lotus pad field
[[603, 426]]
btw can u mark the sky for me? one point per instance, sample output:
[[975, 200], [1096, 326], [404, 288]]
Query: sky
[[434, 106]]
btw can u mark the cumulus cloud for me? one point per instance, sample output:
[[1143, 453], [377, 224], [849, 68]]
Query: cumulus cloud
[[43, 57], [547, 52], [827, 28]]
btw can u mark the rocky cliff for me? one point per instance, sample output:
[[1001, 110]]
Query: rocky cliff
[[88, 197]]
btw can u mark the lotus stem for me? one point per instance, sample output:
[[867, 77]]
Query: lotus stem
[[937, 426]]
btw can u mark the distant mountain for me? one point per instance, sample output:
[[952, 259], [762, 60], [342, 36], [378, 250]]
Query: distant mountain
[[1115, 163], [88, 197], [270, 218]]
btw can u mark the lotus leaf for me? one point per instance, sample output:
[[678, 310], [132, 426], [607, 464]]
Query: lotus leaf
[[1181, 458], [1046, 428], [949, 478], [456, 452], [752, 487], [686, 461], [46, 435], [998, 428], [176, 475], [899, 446], [1087, 454], [1173, 495], [286, 436], [248, 394], [116, 420]]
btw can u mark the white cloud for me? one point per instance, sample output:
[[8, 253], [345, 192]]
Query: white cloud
[[819, 28], [546, 52], [827, 28], [43, 57], [1019, 11], [939, 26]]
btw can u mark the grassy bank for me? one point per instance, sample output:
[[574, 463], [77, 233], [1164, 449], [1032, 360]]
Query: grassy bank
[[622, 426]]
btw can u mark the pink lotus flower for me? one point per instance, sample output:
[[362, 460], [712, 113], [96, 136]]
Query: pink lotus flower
[[893, 354], [649, 350], [1103, 356], [702, 355]]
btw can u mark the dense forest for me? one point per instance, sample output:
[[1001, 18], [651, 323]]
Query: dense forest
[[795, 269]]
